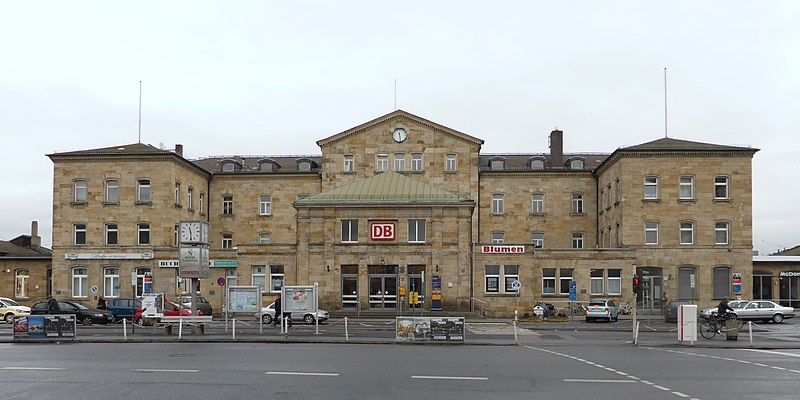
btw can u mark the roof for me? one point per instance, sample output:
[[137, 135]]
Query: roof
[[794, 251], [385, 188], [128, 149], [776, 259], [671, 144], [252, 164], [10, 250], [522, 162]]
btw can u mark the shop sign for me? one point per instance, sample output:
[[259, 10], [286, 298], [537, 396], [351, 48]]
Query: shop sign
[[789, 274], [502, 249], [108, 256], [223, 263], [168, 263], [382, 231]]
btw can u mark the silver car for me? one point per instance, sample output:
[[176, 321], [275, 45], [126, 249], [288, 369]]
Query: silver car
[[764, 310], [267, 314], [712, 312]]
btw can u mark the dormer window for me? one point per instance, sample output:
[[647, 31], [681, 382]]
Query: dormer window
[[266, 167], [576, 163], [497, 164], [304, 166], [536, 163], [228, 167]]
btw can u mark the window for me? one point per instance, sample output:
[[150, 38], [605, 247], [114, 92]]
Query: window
[[230, 278], [576, 164], [538, 240], [577, 204], [349, 231], [601, 198], [416, 231], [602, 239], [80, 281], [177, 193], [265, 204], [614, 281], [687, 283], [140, 274], [650, 187], [416, 162], [498, 204], [722, 282], [538, 204], [549, 281], [492, 274], [143, 234], [687, 232], [686, 188], [266, 167], [349, 163], [304, 166], [608, 198], [227, 205], [382, 163], [143, 194], [81, 191], [275, 278], [227, 240], [264, 238], [565, 277], [80, 234], [190, 199], [259, 277], [202, 203], [450, 163], [21, 283], [510, 274], [498, 237], [112, 191], [537, 164], [721, 188], [596, 281], [617, 191], [111, 282], [616, 235], [497, 165], [721, 232], [175, 235], [399, 162], [577, 240], [228, 167], [651, 233], [112, 234]]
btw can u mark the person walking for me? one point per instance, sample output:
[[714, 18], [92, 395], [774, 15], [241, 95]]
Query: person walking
[[277, 319], [52, 306], [101, 303]]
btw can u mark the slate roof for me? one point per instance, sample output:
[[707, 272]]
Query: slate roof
[[671, 144], [386, 187], [129, 149], [252, 164], [521, 162], [10, 250]]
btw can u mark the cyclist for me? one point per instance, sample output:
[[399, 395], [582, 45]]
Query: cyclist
[[722, 310]]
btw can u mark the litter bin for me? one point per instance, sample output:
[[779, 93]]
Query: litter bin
[[732, 330]]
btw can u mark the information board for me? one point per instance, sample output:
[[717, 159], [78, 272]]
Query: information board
[[244, 299], [429, 329], [299, 299], [44, 326]]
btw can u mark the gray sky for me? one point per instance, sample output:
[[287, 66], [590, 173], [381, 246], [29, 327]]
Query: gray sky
[[272, 78]]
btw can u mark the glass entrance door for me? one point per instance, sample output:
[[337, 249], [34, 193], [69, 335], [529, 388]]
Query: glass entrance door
[[349, 291], [383, 292]]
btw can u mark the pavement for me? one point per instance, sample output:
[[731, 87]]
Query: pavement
[[478, 331]]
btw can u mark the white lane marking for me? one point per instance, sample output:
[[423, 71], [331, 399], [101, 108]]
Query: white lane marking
[[679, 394], [780, 353], [303, 373], [662, 388], [34, 368], [166, 370], [466, 378], [601, 380]]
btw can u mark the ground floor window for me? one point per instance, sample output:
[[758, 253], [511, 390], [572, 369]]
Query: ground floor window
[[511, 274], [21, 284], [722, 282], [615, 281], [565, 277], [259, 277], [596, 284], [762, 285], [275, 278], [230, 278], [789, 295], [111, 282], [687, 283], [80, 282], [548, 281], [492, 276]]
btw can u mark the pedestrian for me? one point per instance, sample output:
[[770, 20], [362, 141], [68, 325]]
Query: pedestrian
[[276, 320], [52, 306], [101, 303]]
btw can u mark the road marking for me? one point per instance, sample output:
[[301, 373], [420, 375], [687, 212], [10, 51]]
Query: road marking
[[166, 370], [742, 361], [780, 353], [601, 380], [303, 373], [679, 394], [465, 378], [34, 368]]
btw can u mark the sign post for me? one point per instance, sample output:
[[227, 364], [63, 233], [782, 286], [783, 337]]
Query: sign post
[[573, 295]]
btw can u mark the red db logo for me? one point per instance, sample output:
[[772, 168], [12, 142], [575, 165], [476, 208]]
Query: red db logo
[[382, 231]]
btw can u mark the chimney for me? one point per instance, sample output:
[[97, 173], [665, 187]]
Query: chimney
[[557, 149], [179, 149], [36, 241]]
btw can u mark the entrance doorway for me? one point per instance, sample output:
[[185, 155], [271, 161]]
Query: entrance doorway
[[416, 284], [649, 297], [382, 287], [349, 287]]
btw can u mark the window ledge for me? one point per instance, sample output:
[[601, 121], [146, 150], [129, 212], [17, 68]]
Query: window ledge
[[78, 203], [264, 215], [577, 214], [144, 203], [616, 203], [498, 215], [608, 208], [687, 200], [728, 200], [202, 213], [226, 215], [539, 214], [110, 203], [651, 200], [450, 172], [177, 205], [190, 209]]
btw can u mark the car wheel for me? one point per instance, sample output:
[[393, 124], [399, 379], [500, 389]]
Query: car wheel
[[87, 320], [139, 321], [9, 318], [777, 318], [266, 318], [308, 319]]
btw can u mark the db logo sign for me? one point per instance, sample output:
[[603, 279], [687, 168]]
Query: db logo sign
[[382, 231]]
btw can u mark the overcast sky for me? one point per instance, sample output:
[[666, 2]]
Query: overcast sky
[[272, 78]]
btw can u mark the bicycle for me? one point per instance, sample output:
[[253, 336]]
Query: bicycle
[[574, 309], [625, 309], [717, 324]]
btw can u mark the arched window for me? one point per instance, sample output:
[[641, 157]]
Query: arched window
[[687, 283], [722, 282], [21, 284], [80, 282], [111, 282]]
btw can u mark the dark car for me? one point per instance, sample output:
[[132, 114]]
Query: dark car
[[86, 315], [671, 310], [203, 304], [122, 307]]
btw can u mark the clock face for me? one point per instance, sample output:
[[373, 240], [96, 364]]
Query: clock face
[[399, 135], [190, 232], [204, 232]]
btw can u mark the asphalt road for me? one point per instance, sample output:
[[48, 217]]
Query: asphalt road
[[381, 371]]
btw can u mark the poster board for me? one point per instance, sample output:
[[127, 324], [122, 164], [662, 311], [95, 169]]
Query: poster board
[[429, 329], [44, 326], [153, 305], [299, 299], [244, 299]]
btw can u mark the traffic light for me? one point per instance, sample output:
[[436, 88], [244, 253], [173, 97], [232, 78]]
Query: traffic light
[[636, 287]]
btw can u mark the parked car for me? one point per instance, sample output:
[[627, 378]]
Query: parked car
[[267, 314], [709, 312], [671, 309], [85, 315], [171, 309], [763, 310], [122, 307], [10, 308], [602, 309], [202, 303]]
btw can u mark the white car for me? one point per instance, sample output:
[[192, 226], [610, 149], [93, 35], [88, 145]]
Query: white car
[[267, 314], [763, 310], [711, 312], [10, 308]]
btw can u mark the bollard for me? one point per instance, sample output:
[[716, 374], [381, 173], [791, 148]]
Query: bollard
[[234, 329], [750, 327], [516, 340], [346, 333], [180, 328], [125, 329]]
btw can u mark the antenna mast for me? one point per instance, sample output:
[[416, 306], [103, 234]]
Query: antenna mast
[[665, 103], [140, 111], [395, 94]]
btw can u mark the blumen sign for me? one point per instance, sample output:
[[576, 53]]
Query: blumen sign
[[503, 249]]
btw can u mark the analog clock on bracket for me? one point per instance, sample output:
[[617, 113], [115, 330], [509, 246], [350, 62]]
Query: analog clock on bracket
[[399, 135]]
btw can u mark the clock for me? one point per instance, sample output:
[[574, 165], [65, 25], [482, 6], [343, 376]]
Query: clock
[[399, 135], [204, 232], [190, 232]]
